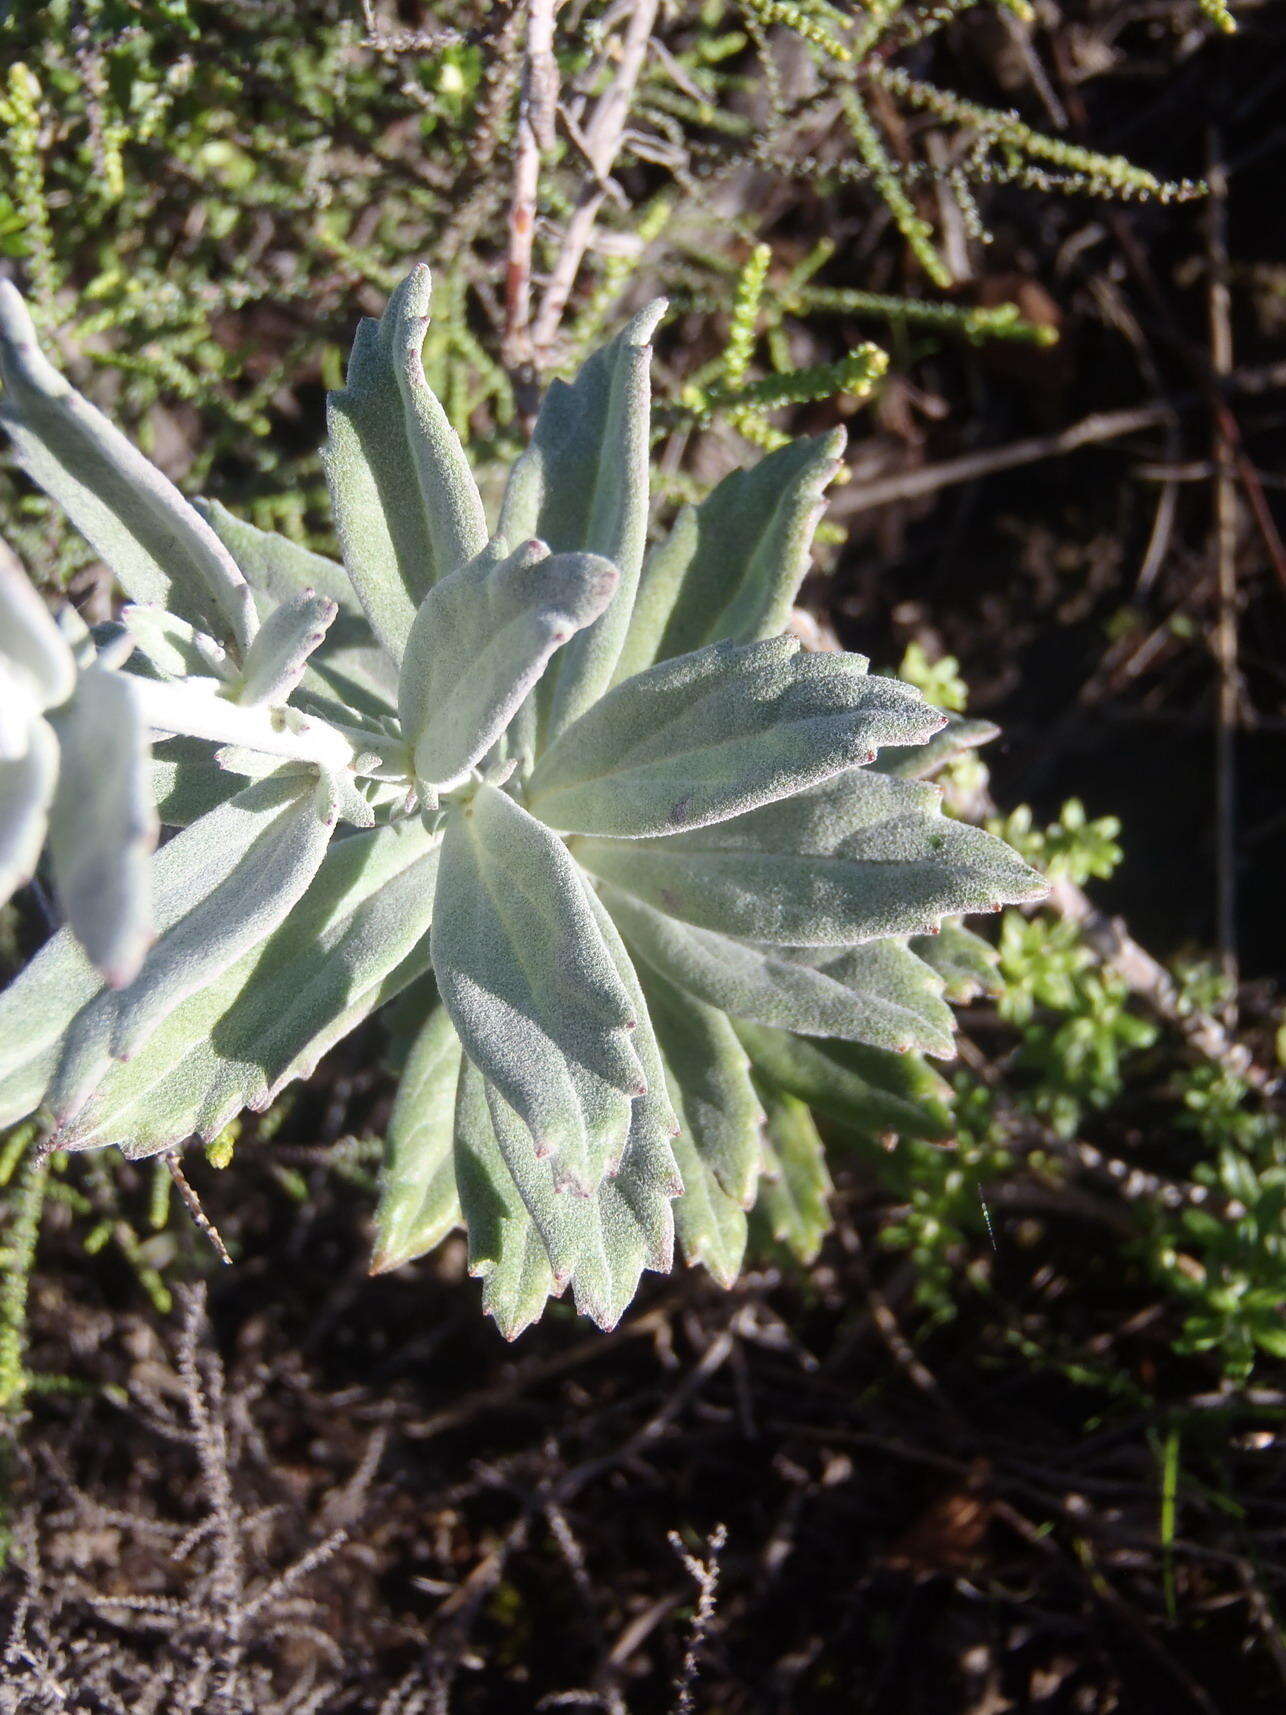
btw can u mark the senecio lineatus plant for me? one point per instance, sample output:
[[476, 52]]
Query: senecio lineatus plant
[[653, 881]]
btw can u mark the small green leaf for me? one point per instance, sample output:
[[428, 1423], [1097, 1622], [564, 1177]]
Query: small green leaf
[[102, 823], [480, 642], [418, 1203], [531, 987], [582, 486], [406, 505], [708, 736], [731, 567], [156, 544]]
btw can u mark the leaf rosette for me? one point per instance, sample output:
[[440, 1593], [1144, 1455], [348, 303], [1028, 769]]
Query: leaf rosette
[[664, 887]]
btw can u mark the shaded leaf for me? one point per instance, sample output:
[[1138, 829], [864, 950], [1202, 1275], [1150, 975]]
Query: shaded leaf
[[795, 1188], [712, 1071], [863, 1088], [965, 962], [709, 736], [921, 761], [418, 1203], [878, 993]]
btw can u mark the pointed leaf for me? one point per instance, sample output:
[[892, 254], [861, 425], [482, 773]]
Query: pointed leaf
[[171, 647], [920, 762], [795, 1187], [506, 1252], [159, 548], [480, 642], [856, 859], [582, 485], [406, 506], [708, 736], [102, 824], [530, 985], [711, 1225], [731, 567], [869, 1091], [418, 1203], [276, 659], [709, 1066], [879, 993]]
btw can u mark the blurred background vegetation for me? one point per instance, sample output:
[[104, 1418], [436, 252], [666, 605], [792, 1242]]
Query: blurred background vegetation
[[1009, 1437]]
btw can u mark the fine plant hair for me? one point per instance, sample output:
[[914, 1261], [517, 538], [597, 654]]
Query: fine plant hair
[[651, 879]]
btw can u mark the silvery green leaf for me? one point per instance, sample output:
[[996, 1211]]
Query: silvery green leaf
[[349, 663], [246, 865], [506, 1252], [858, 858], [27, 785], [711, 1070], [275, 661], [530, 985], [418, 1203], [582, 486], [966, 964], [865, 1089], [795, 1188], [102, 823], [30, 639], [878, 993], [921, 761], [186, 781], [731, 567], [355, 940], [159, 548], [406, 506], [711, 1225], [708, 736], [481, 640], [171, 647]]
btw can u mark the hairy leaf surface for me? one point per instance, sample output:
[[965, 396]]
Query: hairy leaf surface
[[531, 987], [419, 1204], [481, 640]]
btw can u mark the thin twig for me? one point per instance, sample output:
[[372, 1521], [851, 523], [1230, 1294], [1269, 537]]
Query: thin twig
[[600, 143], [198, 1214], [537, 104], [1225, 636]]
